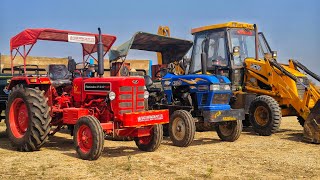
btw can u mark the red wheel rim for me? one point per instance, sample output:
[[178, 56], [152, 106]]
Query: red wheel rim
[[84, 138], [145, 140], [18, 118]]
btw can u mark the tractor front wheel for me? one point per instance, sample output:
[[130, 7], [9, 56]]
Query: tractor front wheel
[[27, 118], [88, 138], [152, 142], [182, 128], [229, 131], [265, 115]]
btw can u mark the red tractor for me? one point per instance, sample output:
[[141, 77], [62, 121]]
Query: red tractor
[[92, 107]]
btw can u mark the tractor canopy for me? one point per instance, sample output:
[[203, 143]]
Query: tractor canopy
[[172, 49], [87, 40], [29, 37]]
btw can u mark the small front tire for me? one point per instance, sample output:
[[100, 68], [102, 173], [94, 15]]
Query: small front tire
[[88, 138], [229, 131], [181, 128], [152, 142]]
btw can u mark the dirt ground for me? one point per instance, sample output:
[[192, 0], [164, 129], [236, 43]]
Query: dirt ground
[[280, 156]]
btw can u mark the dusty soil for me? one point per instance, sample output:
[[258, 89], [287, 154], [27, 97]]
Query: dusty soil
[[280, 156]]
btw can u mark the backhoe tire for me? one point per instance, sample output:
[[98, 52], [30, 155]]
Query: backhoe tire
[[181, 128], [152, 142], [27, 118], [301, 121], [265, 115], [229, 131], [88, 138]]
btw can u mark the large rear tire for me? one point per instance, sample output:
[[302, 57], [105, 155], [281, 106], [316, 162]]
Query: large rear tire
[[88, 138], [152, 142], [229, 131], [27, 118], [265, 115], [181, 128]]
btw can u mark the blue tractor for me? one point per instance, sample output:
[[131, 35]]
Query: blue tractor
[[190, 98]]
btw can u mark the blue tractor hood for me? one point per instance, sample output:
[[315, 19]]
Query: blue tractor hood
[[193, 79]]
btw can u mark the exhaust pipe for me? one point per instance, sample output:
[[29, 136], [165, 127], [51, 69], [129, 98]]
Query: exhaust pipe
[[204, 63], [256, 41], [203, 58], [100, 55]]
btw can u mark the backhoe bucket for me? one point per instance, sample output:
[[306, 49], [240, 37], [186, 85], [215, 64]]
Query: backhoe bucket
[[312, 125]]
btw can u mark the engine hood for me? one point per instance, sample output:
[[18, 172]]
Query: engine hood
[[194, 79]]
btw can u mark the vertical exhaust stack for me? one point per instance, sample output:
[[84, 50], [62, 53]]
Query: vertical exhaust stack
[[100, 55], [256, 35], [203, 58]]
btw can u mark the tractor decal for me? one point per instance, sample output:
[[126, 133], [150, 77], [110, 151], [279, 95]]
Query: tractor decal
[[229, 118], [193, 81], [150, 117], [97, 86], [76, 89], [217, 114]]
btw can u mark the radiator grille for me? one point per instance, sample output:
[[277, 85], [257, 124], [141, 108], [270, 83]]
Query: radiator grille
[[131, 99], [220, 99]]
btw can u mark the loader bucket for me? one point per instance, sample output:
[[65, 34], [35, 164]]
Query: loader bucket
[[312, 125]]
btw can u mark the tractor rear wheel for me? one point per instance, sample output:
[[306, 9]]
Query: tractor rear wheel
[[265, 115], [27, 118], [152, 142], [181, 128], [229, 131], [88, 138]]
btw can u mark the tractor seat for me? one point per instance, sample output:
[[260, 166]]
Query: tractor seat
[[59, 75]]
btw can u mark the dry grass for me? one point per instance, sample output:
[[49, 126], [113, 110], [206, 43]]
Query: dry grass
[[280, 156]]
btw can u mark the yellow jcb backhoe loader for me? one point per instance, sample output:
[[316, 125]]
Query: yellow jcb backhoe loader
[[266, 89]]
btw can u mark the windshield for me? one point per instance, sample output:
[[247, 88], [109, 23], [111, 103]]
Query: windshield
[[245, 40], [214, 46]]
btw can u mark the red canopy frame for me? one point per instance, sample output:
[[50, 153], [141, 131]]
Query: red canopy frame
[[29, 37]]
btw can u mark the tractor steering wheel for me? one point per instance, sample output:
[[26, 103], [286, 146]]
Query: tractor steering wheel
[[162, 72]]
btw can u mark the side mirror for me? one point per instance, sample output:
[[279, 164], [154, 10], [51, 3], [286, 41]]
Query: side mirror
[[274, 54], [71, 64], [236, 50]]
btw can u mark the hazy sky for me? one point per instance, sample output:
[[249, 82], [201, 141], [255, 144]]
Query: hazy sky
[[291, 26]]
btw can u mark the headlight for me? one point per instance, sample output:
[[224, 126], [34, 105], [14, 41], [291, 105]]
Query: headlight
[[146, 95], [225, 87], [112, 95], [214, 87], [220, 87]]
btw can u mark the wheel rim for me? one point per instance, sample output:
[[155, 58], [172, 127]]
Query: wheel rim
[[226, 128], [18, 118], [261, 115], [178, 128], [85, 138], [145, 140]]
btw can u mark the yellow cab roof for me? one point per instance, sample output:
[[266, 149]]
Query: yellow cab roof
[[231, 24]]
